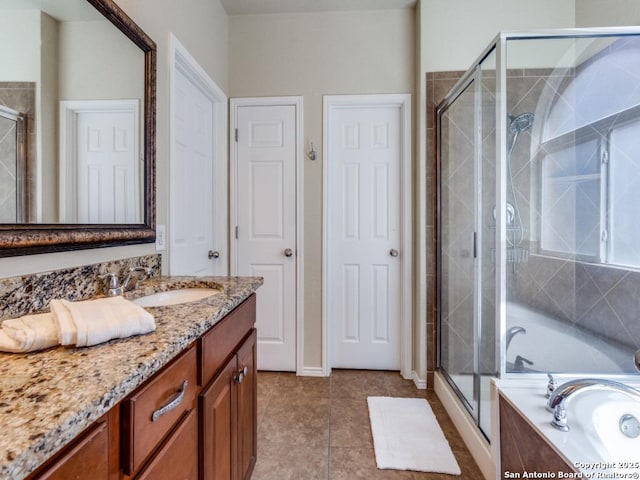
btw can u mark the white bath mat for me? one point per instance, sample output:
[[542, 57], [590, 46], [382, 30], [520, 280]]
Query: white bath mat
[[406, 436]]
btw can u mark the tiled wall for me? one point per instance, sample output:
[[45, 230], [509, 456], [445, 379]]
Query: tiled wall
[[32, 293], [522, 449], [19, 96]]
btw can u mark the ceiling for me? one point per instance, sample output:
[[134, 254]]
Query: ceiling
[[253, 7]]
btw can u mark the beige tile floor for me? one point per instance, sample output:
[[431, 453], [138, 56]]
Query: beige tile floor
[[318, 428]]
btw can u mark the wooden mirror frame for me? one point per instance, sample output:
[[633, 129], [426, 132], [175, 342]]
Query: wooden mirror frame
[[27, 239]]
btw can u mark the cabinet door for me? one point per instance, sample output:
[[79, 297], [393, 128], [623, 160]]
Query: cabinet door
[[87, 458], [247, 408], [218, 426]]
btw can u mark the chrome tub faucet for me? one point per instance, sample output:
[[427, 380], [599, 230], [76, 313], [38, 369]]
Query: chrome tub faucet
[[559, 399]]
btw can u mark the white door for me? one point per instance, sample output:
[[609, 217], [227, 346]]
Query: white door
[[363, 160], [107, 188], [198, 170], [265, 206]]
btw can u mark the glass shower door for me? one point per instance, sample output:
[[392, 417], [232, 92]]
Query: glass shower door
[[457, 264]]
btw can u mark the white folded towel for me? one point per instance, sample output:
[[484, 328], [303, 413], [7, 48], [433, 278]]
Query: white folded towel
[[81, 324], [29, 333], [91, 322]]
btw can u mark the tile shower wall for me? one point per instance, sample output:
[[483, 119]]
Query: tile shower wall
[[19, 96], [601, 299], [32, 293]]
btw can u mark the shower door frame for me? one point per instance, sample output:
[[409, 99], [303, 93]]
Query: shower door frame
[[474, 75], [472, 404], [21, 160]]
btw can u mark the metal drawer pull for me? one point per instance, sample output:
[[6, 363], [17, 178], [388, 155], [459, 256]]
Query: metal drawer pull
[[172, 404]]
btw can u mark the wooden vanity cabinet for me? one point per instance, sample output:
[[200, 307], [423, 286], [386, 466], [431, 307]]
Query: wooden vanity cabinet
[[206, 417], [228, 403]]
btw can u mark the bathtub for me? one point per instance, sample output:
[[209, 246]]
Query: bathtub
[[556, 346], [594, 444]]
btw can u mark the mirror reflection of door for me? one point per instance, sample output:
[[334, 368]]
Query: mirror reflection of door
[[12, 165], [99, 162]]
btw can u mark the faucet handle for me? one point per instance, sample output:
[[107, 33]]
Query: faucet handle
[[551, 385], [146, 270], [131, 281]]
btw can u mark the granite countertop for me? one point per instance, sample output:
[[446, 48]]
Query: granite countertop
[[47, 398]]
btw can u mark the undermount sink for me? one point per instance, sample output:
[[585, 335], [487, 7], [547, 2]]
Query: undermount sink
[[175, 297]]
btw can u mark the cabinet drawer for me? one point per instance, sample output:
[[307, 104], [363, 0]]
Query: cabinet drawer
[[218, 343], [150, 413], [178, 457]]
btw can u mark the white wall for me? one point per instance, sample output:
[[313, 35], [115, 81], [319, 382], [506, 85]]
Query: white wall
[[456, 33], [314, 54], [47, 120], [98, 62], [599, 13], [202, 27], [20, 27]]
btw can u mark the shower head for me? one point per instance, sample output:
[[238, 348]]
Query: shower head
[[520, 123]]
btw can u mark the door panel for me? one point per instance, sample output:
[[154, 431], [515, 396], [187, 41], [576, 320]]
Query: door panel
[[107, 181], [266, 221], [364, 235], [192, 203]]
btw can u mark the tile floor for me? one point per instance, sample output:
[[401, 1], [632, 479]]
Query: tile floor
[[318, 428]]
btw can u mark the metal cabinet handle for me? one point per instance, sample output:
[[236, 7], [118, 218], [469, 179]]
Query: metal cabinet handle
[[213, 254], [241, 374], [393, 252], [172, 404], [288, 252]]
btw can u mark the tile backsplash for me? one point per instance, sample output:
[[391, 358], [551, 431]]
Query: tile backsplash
[[32, 293]]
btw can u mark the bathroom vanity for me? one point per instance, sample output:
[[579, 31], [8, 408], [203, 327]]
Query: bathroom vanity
[[176, 403]]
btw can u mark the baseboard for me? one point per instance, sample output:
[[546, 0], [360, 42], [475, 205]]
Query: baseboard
[[473, 439], [311, 372], [420, 383]]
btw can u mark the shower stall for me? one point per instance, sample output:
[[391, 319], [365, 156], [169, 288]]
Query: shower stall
[[538, 149]]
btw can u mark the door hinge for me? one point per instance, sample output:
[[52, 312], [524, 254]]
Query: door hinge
[[236, 135], [604, 156], [236, 232]]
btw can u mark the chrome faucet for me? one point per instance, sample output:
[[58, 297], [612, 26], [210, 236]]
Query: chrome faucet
[[130, 282], [513, 331], [560, 397]]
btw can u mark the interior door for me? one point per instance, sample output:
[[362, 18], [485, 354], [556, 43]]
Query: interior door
[[265, 242], [107, 182], [364, 161], [193, 250]]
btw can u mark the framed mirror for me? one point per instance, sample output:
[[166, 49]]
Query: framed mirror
[[77, 127]]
